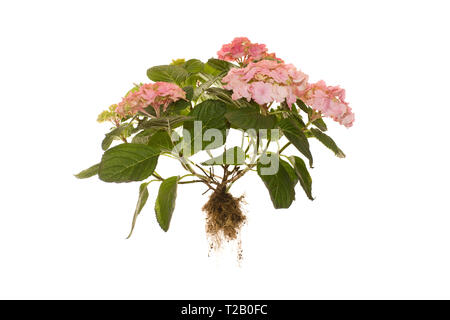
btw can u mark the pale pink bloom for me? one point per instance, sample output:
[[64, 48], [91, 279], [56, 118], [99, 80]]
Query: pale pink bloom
[[234, 50], [131, 104], [242, 91], [261, 92], [348, 118], [238, 49], [329, 101], [257, 51], [266, 81], [280, 93], [291, 98], [279, 75], [273, 56], [157, 95], [224, 53], [242, 50]]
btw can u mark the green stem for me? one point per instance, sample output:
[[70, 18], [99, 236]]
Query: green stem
[[129, 124], [257, 142], [192, 181], [204, 179], [248, 146], [277, 112], [284, 147], [168, 155], [307, 125], [187, 175], [157, 176]]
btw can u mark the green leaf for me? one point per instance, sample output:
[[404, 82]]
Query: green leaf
[[220, 65], [194, 66], [328, 142], [193, 79], [225, 96], [279, 185], [250, 118], [189, 92], [299, 120], [176, 107], [168, 73], [304, 107], [290, 171], [303, 175], [295, 135], [204, 86], [90, 172], [142, 200], [161, 140], [165, 202], [320, 123], [143, 136], [128, 162], [208, 70], [165, 122], [211, 114], [107, 141], [114, 134], [233, 156]]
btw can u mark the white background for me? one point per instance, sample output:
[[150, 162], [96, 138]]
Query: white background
[[379, 227]]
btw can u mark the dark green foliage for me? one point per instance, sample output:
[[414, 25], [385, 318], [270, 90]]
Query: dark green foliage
[[128, 162], [165, 202], [295, 135], [280, 184]]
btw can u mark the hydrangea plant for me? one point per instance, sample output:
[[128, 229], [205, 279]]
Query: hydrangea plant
[[191, 107]]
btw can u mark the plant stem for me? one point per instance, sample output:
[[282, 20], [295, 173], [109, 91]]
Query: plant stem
[[243, 172], [187, 175], [239, 175], [206, 180], [277, 112], [157, 176], [307, 125], [192, 181], [284, 147], [211, 176]]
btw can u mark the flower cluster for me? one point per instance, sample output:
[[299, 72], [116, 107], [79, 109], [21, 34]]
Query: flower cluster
[[109, 115], [329, 101], [244, 51], [266, 81], [157, 95]]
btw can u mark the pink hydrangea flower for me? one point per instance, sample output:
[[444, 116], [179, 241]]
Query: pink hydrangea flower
[[266, 81], [157, 95], [243, 51], [273, 56], [330, 101], [131, 104], [261, 92]]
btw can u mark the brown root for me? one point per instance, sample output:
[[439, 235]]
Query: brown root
[[224, 217]]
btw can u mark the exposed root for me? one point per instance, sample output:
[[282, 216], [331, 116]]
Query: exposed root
[[224, 218]]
